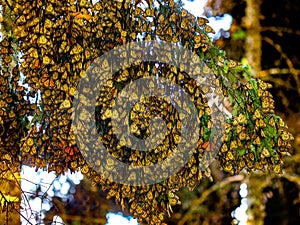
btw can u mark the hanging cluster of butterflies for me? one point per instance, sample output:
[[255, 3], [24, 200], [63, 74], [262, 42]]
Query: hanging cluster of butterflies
[[255, 138], [149, 202], [60, 39], [13, 108], [10, 94], [246, 148]]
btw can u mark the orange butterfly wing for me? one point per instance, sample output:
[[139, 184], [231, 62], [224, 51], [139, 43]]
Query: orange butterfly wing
[[48, 81]]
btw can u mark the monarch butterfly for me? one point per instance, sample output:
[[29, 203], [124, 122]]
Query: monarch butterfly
[[47, 81], [242, 136], [4, 43], [228, 167], [197, 39], [272, 122], [257, 114], [8, 99], [48, 23], [70, 151], [185, 24], [280, 142], [80, 15], [26, 149], [209, 146], [257, 141], [64, 47], [36, 63], [266, 152], [21, 20], [232, 63], [76, 49], [98, 6], [79, 21], [76, 58], [184, 13], [146, 27], [209, 29], [29, 142], [260, 123], [49, 9], [233, 144], [46, 60], [224, 148], [85, 169], [169, 31], [285, 136], [4, 50], [194, 170], [202, 21], [229, 156], [172, 17], [266, 103], [150, 195], [42, 40], [149, 12], [7, 59]]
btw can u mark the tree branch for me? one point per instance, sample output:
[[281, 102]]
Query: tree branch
[[288, 61], [280, 30], [196, 202]]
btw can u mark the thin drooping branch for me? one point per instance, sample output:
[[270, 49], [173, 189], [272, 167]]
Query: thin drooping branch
[[219, 185], [281, 30], [288, 61]]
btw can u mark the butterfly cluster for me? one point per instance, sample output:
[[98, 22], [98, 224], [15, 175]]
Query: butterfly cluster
[[59, 40], [255, 150], [13, 108]]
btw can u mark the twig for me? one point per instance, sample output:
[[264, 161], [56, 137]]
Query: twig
[[207, 192], [287, 60], [23, 217], [279, 49], [267, 75], [275, 71], [293, 178], [281, 30], [217, 186]]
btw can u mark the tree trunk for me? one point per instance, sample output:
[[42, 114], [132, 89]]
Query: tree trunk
[[251, 21]]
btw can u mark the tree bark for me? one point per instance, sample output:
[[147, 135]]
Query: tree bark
[[251, 22]]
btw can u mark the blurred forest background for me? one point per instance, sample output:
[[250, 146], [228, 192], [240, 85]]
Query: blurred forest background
[[265, 35]]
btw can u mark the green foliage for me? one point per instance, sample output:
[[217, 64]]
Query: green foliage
[[240, 34]]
